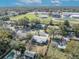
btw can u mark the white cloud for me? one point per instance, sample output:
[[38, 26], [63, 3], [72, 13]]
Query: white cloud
[[26, 2], [56, 2], [30, 1], [19, 4], [67, 0]]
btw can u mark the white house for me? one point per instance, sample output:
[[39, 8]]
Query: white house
[[11, 13], [39, 12]]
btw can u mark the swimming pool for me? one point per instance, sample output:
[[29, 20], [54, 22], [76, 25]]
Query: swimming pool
[[10, 55]]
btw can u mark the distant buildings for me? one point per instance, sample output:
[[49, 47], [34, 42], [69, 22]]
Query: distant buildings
[[74, 15], [12, 13], [42, 14], [56, 15]]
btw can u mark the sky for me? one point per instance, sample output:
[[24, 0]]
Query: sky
[[12, 3]]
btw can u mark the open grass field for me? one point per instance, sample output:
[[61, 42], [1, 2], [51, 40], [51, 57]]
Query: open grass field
[[30, 16], [33, 17]]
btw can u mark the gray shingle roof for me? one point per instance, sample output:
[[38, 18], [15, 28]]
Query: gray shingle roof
[[39, 39]]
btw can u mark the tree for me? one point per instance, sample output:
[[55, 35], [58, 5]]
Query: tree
[[4, 33], [50, 12], [5, 18], [51, 22], [76, 30], [5, 39], [66, 28], [73, 49], [23, 22], [22, 49], [37, 21], [18, 46], [66, 23], [50, 30]]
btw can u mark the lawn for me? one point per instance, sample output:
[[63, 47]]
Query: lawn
[[33, 17], [30, 16]]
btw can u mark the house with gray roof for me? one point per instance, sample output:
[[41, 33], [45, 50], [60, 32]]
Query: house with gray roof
[[30, 55], [40, 39]]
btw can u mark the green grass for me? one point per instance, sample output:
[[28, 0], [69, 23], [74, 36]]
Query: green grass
[[33, 17], [30, 16]]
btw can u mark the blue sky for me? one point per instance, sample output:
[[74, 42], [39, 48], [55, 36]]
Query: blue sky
[[10, 3]]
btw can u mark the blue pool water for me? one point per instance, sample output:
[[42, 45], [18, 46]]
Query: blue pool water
[[10, 55]]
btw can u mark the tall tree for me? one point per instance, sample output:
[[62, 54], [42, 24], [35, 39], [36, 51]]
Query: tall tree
[[66, 23]]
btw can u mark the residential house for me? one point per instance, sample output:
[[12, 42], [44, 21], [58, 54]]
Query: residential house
[[39, 44], [30, 55], [60, 42], [38, 26], [39, 40], [70, 31], [56, 15]]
